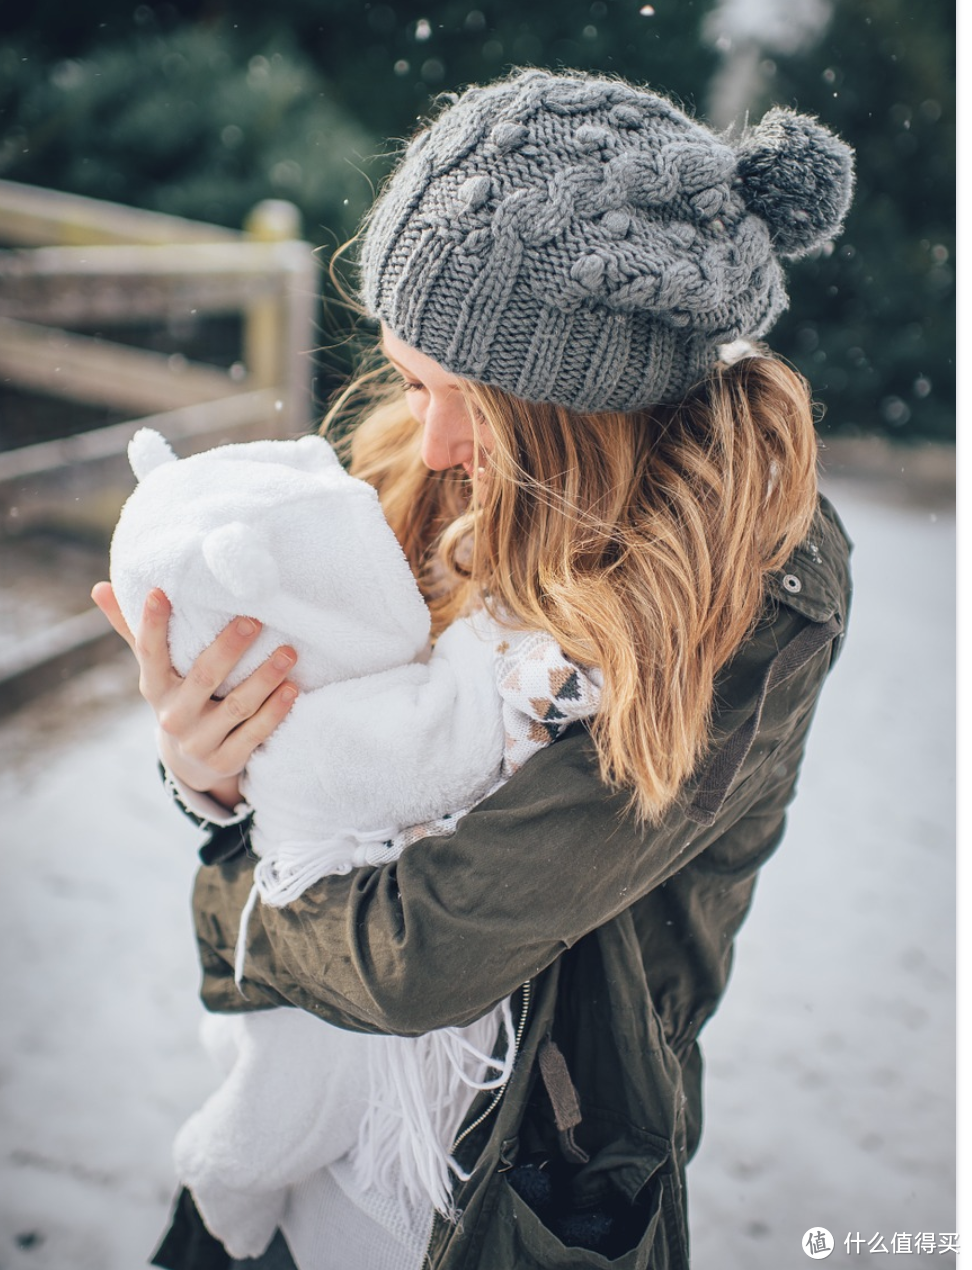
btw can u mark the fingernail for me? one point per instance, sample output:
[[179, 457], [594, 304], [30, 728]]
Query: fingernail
[[154, 603], [288, 695], [246, 626], [282, 661]]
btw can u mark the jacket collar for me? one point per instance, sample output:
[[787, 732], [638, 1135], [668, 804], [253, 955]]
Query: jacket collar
[[812, 582]]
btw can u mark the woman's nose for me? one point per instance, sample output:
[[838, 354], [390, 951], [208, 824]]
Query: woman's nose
[[446, 440]]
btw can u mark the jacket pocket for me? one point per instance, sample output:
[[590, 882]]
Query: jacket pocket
[[648, 1230], [519, 1238]]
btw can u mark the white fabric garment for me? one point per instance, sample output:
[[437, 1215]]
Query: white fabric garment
[[330, 1226], [277, 531], [308, 553], [251, 1137]]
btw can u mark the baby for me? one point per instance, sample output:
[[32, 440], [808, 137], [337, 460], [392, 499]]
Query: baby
[[387, 742]]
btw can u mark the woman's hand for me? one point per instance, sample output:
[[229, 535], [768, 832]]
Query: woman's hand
[[205, 743]]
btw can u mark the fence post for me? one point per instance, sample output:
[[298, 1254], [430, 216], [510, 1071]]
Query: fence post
[[279, 331]]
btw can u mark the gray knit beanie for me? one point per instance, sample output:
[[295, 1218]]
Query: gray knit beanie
[[582, 241]]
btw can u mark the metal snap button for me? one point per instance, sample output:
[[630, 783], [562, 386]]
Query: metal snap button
[[792, 583]]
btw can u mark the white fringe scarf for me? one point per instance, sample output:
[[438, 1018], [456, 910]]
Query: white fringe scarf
[[418, 1087]]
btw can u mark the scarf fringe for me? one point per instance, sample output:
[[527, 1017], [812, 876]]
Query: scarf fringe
[[416, 1085], [285, 872]]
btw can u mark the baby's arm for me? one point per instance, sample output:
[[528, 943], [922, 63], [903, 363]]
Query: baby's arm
[[370, 755]]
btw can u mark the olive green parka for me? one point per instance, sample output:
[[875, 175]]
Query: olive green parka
[[616, 941]]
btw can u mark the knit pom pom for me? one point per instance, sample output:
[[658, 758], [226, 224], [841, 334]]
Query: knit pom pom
[[798, 177]]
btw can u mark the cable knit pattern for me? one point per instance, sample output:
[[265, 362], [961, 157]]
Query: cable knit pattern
[[583, 241]]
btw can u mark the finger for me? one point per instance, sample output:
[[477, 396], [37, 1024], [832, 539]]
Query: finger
[[215, 662], [104, 597], [233, 754], [152, 647], [245, 700]]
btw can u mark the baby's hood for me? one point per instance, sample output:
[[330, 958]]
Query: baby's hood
[[274, 530]]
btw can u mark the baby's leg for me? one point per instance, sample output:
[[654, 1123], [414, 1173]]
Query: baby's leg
[[292, 1102]]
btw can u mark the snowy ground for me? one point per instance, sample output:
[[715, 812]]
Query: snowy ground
[[831, 1066]]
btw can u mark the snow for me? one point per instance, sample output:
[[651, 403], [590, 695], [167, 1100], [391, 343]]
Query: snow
[[831, 1064], [830, 1089], [99, 1060]]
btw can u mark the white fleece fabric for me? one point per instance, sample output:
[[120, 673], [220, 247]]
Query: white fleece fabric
[[384, 736]]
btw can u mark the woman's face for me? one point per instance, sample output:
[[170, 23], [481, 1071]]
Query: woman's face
[[436, 401]]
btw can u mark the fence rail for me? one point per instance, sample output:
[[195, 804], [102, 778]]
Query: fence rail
[[62, 364], [89, 285], [34, 217], [80, 263], [71, 266]]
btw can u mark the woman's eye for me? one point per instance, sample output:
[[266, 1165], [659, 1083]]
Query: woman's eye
[[411, 385]]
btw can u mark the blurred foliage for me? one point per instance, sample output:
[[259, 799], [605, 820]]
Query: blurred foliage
[[389, 58], [185, 123], [203, 108], [872, 324]]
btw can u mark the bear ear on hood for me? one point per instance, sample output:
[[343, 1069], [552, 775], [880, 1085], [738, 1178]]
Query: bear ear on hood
[[240, 561], [148, 450]]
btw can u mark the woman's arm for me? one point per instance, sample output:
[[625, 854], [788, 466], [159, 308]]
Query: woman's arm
[[203, 742], [457, 923]]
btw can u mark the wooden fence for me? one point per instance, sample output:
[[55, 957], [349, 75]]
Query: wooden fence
[[70, 265], [79, 263]]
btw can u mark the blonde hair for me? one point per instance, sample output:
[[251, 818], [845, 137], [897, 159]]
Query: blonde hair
[[641, 542]]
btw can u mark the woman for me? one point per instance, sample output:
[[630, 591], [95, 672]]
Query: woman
[[558, 264]]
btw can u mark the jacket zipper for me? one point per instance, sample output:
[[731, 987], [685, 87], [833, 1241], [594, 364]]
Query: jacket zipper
[[527, 990]]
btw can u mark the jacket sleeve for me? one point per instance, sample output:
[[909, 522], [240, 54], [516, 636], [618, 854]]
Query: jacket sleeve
[[457, 923]]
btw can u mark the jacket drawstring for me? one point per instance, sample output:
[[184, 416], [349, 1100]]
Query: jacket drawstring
[[563, 1098]]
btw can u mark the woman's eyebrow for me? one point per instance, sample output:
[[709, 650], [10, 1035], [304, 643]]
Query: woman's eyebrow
[[403, 370], [410, 374], [388, 355]]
